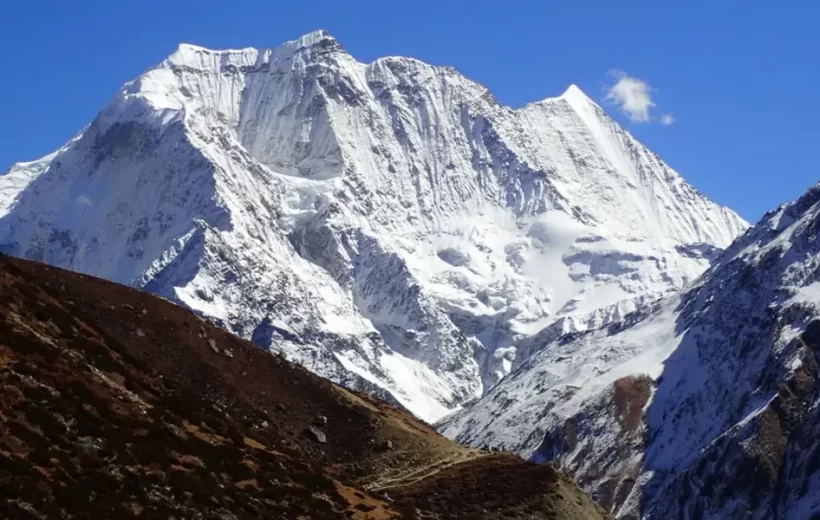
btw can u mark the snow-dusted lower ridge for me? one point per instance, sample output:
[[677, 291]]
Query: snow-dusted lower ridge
[[388, 225], [703, 405]]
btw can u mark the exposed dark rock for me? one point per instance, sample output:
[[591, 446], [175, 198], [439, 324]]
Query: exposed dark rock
[[316, 434]]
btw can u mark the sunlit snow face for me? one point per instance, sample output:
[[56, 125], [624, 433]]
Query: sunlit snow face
[[387, 220]]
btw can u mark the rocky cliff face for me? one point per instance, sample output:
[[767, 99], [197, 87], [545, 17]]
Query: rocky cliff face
[[388, 225], [703, 405]]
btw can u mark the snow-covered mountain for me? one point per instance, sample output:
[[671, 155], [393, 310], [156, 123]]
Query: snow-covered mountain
[[388, 225], [704, 405]]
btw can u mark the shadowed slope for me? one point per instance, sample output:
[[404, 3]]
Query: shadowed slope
[[117, 404]]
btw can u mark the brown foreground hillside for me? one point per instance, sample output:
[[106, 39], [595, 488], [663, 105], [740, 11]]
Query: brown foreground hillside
[[117, 404]]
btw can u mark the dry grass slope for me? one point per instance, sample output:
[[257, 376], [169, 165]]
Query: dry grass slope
[[117, 404]]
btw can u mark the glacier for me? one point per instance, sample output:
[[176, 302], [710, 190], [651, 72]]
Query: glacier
[[388, 225]]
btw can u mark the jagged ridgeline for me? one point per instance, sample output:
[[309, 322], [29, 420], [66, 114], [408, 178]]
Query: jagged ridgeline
[[388, 225]]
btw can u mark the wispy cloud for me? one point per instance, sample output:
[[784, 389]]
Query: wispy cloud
[[633, 97], [667, 119]]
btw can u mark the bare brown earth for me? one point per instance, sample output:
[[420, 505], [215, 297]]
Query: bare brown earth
[[117, 404], [630, 397]]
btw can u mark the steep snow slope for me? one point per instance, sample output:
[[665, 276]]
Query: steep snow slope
[[704, 405], [388, 225]]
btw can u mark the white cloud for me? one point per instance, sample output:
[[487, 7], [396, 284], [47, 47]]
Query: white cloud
[[634, 97], [667, 119]]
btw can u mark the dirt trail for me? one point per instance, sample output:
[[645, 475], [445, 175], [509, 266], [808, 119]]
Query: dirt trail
[[416, 473]]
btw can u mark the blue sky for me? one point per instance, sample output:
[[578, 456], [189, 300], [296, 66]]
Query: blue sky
[[740, 78]]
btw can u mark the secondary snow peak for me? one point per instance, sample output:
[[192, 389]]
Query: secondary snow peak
[[574, 93]]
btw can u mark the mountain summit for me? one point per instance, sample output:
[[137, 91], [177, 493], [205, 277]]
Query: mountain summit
[[388, 225]]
